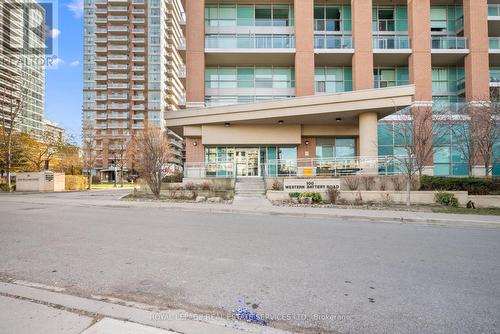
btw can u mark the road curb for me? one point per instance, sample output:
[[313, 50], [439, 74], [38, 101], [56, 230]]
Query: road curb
[[178, 321]]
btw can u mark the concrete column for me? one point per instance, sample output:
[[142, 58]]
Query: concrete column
[[362, 60], [368, 140], [420, 63], [477, 77], [195, 53], [304, 45]]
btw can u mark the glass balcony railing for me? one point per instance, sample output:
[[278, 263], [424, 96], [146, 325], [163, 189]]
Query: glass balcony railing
[[245, 84], [494, 42], [448, 43], [389, 83], [249, 22], [332, 42], [391, 42], [249, 42]]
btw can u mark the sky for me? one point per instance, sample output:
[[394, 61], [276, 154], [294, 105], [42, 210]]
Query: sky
[[64, 85]]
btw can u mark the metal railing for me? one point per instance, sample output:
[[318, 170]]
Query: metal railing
[[332, 42], [249, 42], [384, 165], [391, 42], [448, 43]]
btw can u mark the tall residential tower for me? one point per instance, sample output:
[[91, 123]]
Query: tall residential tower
[[133, 71]]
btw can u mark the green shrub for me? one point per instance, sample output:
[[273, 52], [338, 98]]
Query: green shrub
[[294, 195], [474, 185], [315, 197], [446, 199], [4, 187]]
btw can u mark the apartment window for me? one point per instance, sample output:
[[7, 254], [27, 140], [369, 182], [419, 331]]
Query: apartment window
[[248, 15], [447, 19], [250, 77], [333, 79], [330, 148], [390, 19], [390, 77], [332, 18], [448, 80]]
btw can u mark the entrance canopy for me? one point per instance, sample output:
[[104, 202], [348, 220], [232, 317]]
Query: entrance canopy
[[343, 108]]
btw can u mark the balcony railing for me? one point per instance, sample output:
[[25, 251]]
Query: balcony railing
[[250, 22], [250, 42], [448, 43], [495, 75], [389, 83], [332, 42], [391, 42]]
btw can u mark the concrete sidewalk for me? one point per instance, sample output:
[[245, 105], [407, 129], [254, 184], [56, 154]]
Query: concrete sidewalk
[[28, 310]]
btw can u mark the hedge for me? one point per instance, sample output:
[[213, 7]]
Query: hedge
[[474, 185]]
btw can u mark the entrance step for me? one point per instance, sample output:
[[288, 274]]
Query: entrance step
[[250, 187]]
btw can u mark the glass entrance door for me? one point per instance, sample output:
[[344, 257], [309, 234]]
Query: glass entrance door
[[247, 161]]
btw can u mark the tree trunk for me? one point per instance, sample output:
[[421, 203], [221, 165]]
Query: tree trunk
[[487, 168], [90, 180], [121, 176], [408, 191], [9, 158]]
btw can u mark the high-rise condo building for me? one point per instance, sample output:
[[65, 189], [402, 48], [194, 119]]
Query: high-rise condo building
[[22, 63], [133, 72], [274, 84]]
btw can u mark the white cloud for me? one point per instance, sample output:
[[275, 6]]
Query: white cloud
[[74, 63], [76, 6], [54, 33], [57, 61]]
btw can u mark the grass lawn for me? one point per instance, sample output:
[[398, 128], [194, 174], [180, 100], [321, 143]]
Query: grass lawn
[[479, 211], [108, 185]]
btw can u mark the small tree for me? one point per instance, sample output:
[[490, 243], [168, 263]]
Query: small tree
[[155, 153], [89, 150], [462, 129], [43, 150], [11, 106]]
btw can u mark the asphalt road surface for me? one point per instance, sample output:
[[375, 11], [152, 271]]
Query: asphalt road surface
[[327, 275]]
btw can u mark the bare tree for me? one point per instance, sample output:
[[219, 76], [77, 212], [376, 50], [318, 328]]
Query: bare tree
[[11, 107], [119, 154], [485, 120], [155, 153], [414, 133], [89, 150], [460, 126]]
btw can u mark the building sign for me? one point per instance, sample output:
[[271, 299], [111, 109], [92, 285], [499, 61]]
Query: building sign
[[292, 185]]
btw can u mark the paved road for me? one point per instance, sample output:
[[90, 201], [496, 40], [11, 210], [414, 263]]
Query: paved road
[[357, 277]]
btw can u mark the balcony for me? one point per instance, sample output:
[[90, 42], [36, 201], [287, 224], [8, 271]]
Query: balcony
[[138, 116], [101, 68], [118, 106], [250, 42], [117, 57], [138, 126], [101, 107], [138, 50], [138, 98], [101, 87], [118, 18], [123, 39], [118, 29], [138, 68], [117, 8], [118, 67], [138, 87], [391, 43], [449, 43], [388, 83], [138, 107], [333, 42], [101, 59], [138, 20], [118, 48], [139, 59], [117, 85], [101, 78], [118, 116], [138, 40], [139, 11], [113, 76], [101, 116], [138, 77], [118, 96]]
